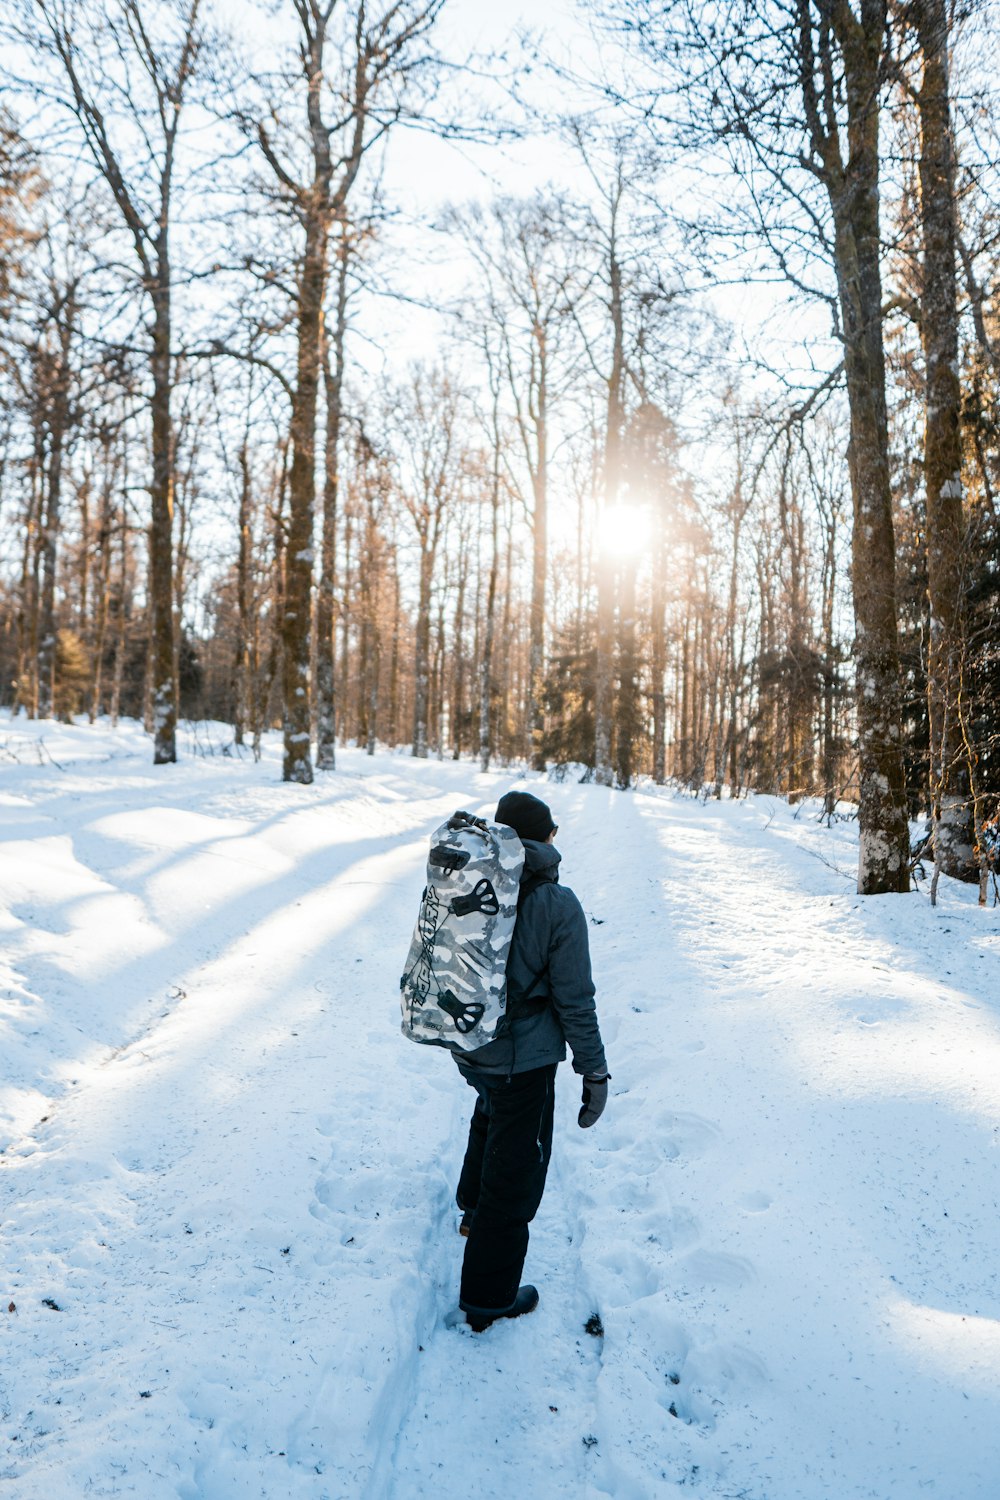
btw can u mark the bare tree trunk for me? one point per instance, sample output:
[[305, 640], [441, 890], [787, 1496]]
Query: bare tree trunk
[[381, 52], [296, 614], [104, 542], [726, 738], [853, 190], [422, 656], [244, 624], [505, 637], [486, 663], [829, 663], [26, 694], [374, 671], [326, 707], [685, 735], [949, 770], [539, 564], [86, 542], [604, 677], [119, 661], [347, 609], [262, 694], [628, 684], [45, 672], [394, 656], [458, 659], [658, 652], [56, 398], [436, 716]]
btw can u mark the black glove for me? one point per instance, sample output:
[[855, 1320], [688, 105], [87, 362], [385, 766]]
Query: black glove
[[595, 1097]]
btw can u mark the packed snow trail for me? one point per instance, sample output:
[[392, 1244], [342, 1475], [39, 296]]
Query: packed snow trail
[[230, 1236]]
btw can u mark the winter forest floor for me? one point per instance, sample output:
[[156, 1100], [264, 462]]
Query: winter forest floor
[[226, 1185]]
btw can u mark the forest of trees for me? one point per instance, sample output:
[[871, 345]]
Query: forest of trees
[[693, 475]]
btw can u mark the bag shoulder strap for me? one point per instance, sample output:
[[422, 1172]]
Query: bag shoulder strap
[[527, 886], [531, 884]]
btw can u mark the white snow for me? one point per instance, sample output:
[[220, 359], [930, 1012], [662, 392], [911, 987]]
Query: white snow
[[234, 1178]]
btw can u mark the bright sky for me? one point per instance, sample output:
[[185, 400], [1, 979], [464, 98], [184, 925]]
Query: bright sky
[[425, 172]]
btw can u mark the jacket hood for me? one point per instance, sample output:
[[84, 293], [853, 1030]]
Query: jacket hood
[[540, 860]]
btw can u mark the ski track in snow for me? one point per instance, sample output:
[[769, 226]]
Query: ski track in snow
[[234, 1179]]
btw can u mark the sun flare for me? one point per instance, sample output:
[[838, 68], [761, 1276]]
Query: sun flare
[[623, 530]]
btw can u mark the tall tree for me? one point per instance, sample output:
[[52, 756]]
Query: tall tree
[[614, 383], [52, 359], [353, 71], [488, 612], [949, 768], [326, 624], [125, 72], [526, 251], [426, 422], [790, 94]]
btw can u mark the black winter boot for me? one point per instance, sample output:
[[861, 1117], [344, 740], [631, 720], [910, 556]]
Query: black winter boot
[[480, 1318]]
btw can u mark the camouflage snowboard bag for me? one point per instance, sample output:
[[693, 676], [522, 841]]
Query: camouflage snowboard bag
[[454, 988]]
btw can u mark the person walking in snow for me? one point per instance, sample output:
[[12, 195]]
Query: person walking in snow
[[550, 1003]]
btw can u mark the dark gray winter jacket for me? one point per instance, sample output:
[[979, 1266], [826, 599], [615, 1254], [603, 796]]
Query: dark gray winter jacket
[[550, 992]]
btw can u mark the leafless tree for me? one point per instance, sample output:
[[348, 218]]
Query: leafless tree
[[355, 67], [124, 71], [790, 94]]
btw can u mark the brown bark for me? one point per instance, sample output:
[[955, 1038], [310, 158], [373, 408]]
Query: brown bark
[[627, 714], [297, 605], [244, 625], [658, 651], [852, 186], [161, 523], [457, 713], [55, 373], [105, 539], [489, 623], [394, 655], [326, 670], [26, 690], [422, 650], [381, 51], [729, 687], [539, 559], [604, 676], [949, 771]]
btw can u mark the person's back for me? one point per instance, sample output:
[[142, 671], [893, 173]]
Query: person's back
[[550, 1003]]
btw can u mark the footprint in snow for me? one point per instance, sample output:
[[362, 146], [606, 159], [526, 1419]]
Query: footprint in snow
[[716, 1268], [684, 1135], [755, 1203], [626, 1277]]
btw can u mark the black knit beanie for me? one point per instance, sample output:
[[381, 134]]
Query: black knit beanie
[[527, 815]]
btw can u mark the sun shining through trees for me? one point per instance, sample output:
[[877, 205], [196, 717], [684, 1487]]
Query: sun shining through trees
[[350, 387], [625, 530]]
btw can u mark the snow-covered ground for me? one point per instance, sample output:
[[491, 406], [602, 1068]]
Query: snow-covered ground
[[229, 1245]]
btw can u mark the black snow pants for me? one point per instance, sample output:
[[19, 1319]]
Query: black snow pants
[[503, 1178]]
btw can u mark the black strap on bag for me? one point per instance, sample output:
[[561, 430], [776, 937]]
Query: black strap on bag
[[523, 1005], [532, 883]]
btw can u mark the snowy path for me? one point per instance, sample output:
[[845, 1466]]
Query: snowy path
[[240, 1196]]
